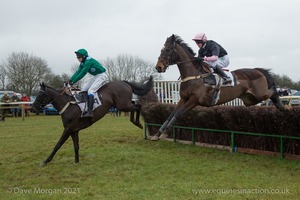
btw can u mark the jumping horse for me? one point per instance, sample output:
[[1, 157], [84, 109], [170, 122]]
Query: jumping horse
[[117, 94], [252, 85]]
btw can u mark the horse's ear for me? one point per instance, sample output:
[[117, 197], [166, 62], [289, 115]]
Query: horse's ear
[[173, 37]]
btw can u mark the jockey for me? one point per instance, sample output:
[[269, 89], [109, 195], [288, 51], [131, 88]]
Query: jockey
[[92, 66], [213, 54]]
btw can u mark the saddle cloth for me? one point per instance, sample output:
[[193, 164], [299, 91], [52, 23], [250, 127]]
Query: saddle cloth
[[217, 82], [83, 105], [215, 79], [97, 99]]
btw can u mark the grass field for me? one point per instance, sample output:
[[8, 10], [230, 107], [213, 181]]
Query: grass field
[[117, 163]]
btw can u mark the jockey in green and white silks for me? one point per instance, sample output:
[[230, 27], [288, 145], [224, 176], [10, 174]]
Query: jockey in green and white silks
[[93, 67]]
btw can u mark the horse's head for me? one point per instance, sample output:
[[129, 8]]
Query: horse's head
[[42, 99], [170, 55]]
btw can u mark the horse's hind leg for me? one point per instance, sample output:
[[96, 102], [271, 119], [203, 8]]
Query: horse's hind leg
[[76, 145], [137, 116], [137, 110], [61, 141], [137, 119], [276, 101]]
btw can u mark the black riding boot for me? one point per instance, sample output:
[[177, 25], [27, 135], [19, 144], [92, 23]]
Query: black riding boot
[[90, 102], [220, 71]]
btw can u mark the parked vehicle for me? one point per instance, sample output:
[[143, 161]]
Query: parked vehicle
[[296, 93], [50, 110], [293, 100]]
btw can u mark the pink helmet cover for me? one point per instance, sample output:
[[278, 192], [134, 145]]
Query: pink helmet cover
[[200, 36]]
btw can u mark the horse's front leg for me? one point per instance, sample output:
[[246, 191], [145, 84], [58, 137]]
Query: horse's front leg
[[75, 139], [163, 127], [169, 122], [180, 110], [61, 141]]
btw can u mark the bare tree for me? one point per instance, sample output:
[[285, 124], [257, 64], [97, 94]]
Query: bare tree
[[125, 67], [80, 83], [25, 72], [2, 77], [56, 81]]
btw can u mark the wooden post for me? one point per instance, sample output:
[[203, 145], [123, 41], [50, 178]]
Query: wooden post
[[23, 111]]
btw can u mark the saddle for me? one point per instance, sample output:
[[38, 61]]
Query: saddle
[[215, 79], [81, 97], [81, 100]]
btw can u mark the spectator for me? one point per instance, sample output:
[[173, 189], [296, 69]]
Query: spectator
[[26, 98], [15, 98], [5, 99]]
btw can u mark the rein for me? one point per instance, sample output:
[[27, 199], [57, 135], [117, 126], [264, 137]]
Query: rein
[[185, 61], [195, 77], [54, 99]]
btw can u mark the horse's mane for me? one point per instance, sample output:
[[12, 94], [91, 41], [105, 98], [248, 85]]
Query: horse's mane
[[184, 45], [59, 90]]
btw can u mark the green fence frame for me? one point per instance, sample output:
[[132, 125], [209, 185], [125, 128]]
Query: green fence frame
[[233, 133]]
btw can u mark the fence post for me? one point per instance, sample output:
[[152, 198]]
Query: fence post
[[23, 111], [193, 136], [281, 147], [174, 133], [232, 141], [145, 131]]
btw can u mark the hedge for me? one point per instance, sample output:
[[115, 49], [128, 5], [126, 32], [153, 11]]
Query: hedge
[[255, 119]]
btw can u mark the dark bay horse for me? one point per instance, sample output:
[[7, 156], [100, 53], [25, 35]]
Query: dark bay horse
[[117, 94], [253, 85]]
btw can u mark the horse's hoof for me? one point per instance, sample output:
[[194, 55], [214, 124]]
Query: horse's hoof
[[43, 164], [154, 138], [163, 136]]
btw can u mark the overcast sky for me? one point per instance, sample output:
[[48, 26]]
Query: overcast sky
[[255, 33]]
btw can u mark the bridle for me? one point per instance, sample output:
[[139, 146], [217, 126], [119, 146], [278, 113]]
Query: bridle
[[174, 52], [54, 99], [45, 95], [168, 58]]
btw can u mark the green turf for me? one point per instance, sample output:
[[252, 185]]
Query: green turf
[[117, 163]]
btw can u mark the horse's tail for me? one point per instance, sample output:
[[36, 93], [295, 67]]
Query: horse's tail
[[141, 89], [270, 79]]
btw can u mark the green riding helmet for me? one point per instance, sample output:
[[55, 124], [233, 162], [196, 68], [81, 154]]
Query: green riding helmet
[[82, 52]]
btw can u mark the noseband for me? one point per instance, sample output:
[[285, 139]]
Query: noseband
[[170, 55], [174, 51]]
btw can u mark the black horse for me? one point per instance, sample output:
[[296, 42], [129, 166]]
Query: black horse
[[117, 94]]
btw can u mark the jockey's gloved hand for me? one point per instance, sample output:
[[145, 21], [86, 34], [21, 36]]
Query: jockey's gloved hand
[[70, 83], [200, 59]]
